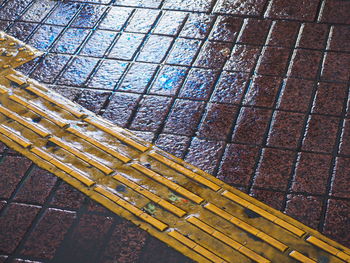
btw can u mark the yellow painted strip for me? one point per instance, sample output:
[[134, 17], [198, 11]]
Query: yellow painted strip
[[173, 186], [18, 139], [117, 135], [196, 247], [326, 247], [15, 79], [227, 240], [81, 155], [156, 199], [185, 171], [131, 208], [208, 254], [300, 257], [3, 90], [198, 223], [252, 255], [63, 167], [154, 222], [264, 213], [245, 226], [53, 118], [24, 122], [41, 94], [99, 145]]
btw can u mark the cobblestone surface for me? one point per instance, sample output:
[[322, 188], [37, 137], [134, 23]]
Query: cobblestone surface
[[255, 92]]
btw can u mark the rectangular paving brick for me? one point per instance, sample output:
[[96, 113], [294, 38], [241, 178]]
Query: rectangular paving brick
[[184, 117], [48, 234], [341, 176], [201, 148], [299, 9], [321, 134], [251, 125], [345, 139], [330, 98], [230, 87], [14, 222], [85, 240], [312, 173], [121, 107], [254, 31], [199, 84], [274, 169], [67, 197], [305, 64], [337, 221], [169, 80], [226, 28], [138, 77], [241, 7], [151, 113], [217, 120], [283, 33], [238, 163], [174, 144], [129, 247], [313, 36], [263, 91], [37, 187], [286, 129], [273, 61], [243, 58], [296, 95], [13, 169], [306, 209]]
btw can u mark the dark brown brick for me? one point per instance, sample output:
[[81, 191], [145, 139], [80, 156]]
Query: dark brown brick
[[337, 221], [330, 98], [184, 117], [151, 113], [251, 125], [286, 129], [37, 187], [48, 234], [238, 163], [14, 223], [312, 173], [13, 170], [217, 121], [125, 244], [341, 177], [306, 209], [296, 95], [199, 151], [321, 134], [274, 169]]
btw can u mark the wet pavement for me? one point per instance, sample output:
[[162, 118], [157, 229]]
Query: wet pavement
[[261, 87]]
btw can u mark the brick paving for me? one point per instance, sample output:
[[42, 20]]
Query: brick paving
[[255, 92]]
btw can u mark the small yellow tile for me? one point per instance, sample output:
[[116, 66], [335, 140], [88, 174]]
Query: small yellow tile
[[209, 255], [289, 227], [181, 238], [252, 255], [300, 257], [15, 79], [323, 245], [198, 223], [154, 222]]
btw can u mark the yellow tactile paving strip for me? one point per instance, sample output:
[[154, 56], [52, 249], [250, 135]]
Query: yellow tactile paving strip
[[188, 209]]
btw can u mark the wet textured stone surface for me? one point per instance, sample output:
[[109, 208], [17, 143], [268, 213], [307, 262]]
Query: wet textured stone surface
[[260, 86]]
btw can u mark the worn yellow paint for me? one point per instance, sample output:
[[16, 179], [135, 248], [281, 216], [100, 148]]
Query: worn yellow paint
[[195, 213]]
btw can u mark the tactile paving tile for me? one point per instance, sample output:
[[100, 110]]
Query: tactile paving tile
[[14, 53], [188, 209]]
